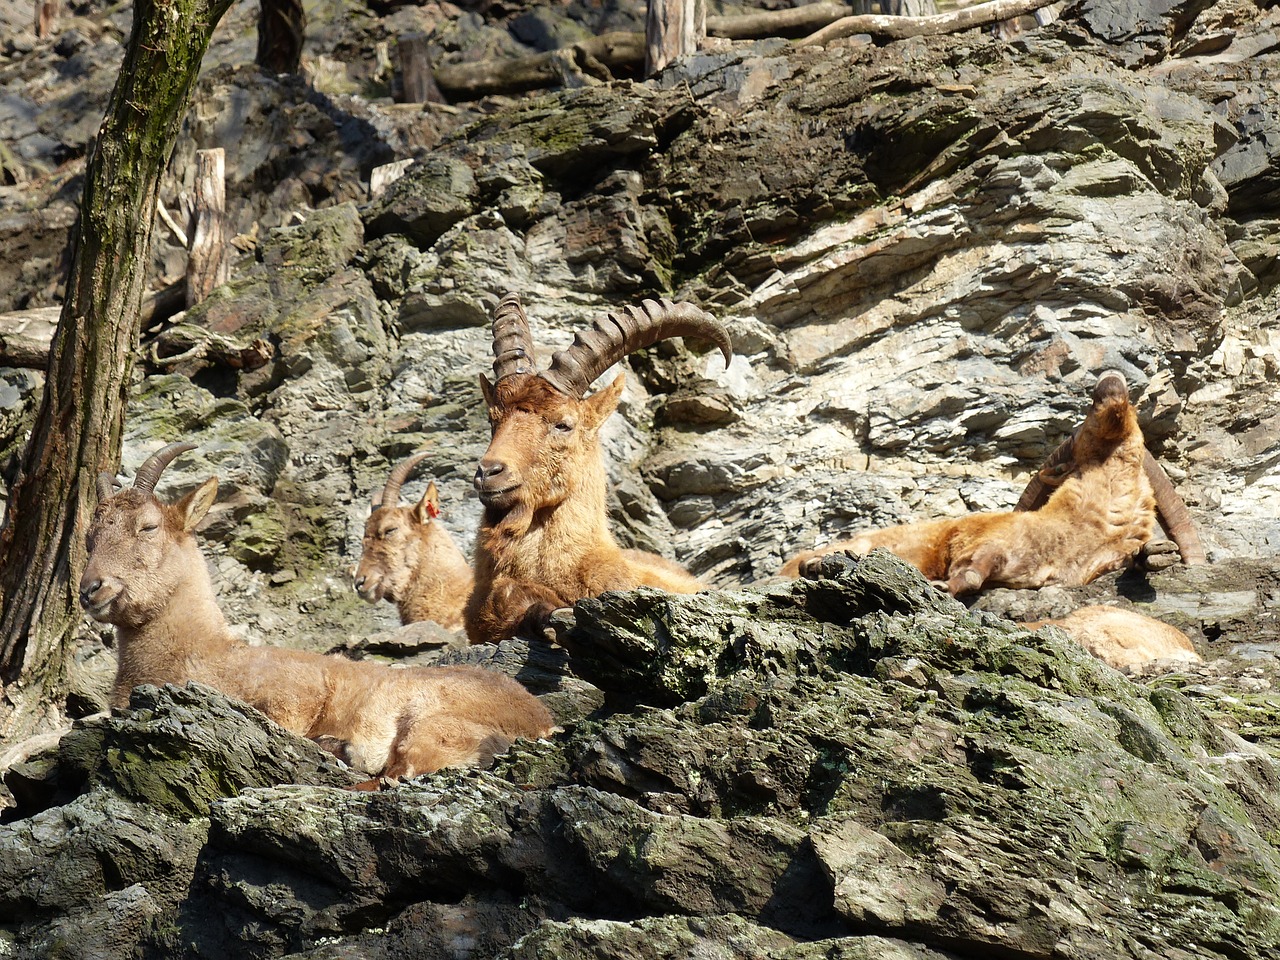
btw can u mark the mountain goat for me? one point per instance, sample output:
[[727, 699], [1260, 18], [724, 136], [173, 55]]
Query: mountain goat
[[409, 558], [1099, 516], [544, 539], [146, 575]]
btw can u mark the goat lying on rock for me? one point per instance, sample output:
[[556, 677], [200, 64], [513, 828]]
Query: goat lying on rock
[[410, 559], [1099, 516], [1124, 639], [544, 539], [146, 575]]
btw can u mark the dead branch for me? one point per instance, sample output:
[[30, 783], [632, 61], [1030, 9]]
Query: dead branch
[[901, 28], [463, 80], [777, 23], [185, 343]]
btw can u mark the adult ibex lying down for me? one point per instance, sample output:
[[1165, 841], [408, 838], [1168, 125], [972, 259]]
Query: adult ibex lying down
[[1101, 514], [146, 576], [544, 539], [410, 559]]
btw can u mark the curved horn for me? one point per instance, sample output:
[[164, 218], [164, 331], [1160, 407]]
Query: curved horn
[[1037, 491], [391, 492], [153, 466], [106, 485], [617, 334], [512, 341], [1174, 513]]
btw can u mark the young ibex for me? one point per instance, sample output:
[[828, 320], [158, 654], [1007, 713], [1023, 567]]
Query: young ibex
[[1101, 514], [1124, 639], [544, 539], [410, 559], [146, 575]]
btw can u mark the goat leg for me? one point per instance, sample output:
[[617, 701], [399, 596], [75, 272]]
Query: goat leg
[[516, 607], [969, 576]]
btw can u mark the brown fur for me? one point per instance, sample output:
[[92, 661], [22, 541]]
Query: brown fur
[[411, 560], [146, 576], [544, 540], [1123, 638], [1097, 519]]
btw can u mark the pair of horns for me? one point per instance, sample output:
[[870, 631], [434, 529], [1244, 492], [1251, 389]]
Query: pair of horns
[[149, 473], [399, 474], [609, 339]]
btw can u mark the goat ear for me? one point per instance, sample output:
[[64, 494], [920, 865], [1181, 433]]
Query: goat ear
[[192, 507], [598, 406], [428, 507], [486, 389]]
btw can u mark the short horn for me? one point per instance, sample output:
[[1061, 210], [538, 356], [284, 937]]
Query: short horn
[[1037, 492], [149, 473], [106, 485], [619, 333], [512, 341], [391, 492], [1174, 513]]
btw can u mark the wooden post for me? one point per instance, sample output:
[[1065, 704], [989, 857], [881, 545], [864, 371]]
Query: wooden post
[[417, 83], [47, 13], [282, 25], [207, 267], [673, 28]]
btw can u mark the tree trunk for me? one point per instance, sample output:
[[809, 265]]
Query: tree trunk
[[208, 265], [79, 425], [673, 28], [282, 25]]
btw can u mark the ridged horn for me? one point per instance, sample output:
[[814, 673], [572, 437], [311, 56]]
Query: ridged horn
[[1037, 492], [512, 341], [149, 473], [618, 333], [1174, 513], [391, 492], [106, 485]]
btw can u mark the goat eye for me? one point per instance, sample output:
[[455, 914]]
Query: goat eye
[[387, 533], [149, 528], [564, 426]]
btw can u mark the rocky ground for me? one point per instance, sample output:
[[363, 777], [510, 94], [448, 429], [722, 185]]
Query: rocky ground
[[926, 252]]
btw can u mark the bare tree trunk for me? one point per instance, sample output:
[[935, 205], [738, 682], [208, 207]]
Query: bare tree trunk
[[673, 28], [47, 13], [207, 266], [79, 425], [417, 85], [282, 25]]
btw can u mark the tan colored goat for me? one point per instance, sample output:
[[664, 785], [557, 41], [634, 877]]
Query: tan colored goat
[[146, 575], [544, 539], [408, 557], [1100, 514], [1124, 639]]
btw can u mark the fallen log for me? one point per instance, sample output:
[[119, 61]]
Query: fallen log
[[902, 28], [25, 337], [460, 81]]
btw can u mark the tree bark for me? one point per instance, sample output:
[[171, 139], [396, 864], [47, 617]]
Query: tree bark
[[282, 26], [417, 85], [673, 28], [207, 265], [79, 425]]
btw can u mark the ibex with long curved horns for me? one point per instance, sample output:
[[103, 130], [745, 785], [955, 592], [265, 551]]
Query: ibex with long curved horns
[[1100, 515], [146, 575], [409, 558], [544, 539]]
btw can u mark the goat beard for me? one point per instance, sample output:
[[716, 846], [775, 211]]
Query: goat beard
[[511, 524]]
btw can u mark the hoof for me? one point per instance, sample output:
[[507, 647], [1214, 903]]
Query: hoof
[[1157, 555], [829, 566]]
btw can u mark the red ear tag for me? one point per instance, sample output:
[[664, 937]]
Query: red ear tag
[[433, 511]]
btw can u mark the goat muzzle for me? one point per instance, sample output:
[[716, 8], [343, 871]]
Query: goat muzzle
[[96, 596], [493, 481]]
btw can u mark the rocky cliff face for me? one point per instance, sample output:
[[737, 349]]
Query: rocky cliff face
[[926, 251]]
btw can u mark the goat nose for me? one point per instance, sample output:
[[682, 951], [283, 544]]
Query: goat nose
[[488, 469], [87, 590]]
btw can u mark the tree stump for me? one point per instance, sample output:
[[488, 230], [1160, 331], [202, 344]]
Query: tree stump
[[673, 29], [417, 83], [207, 266]]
